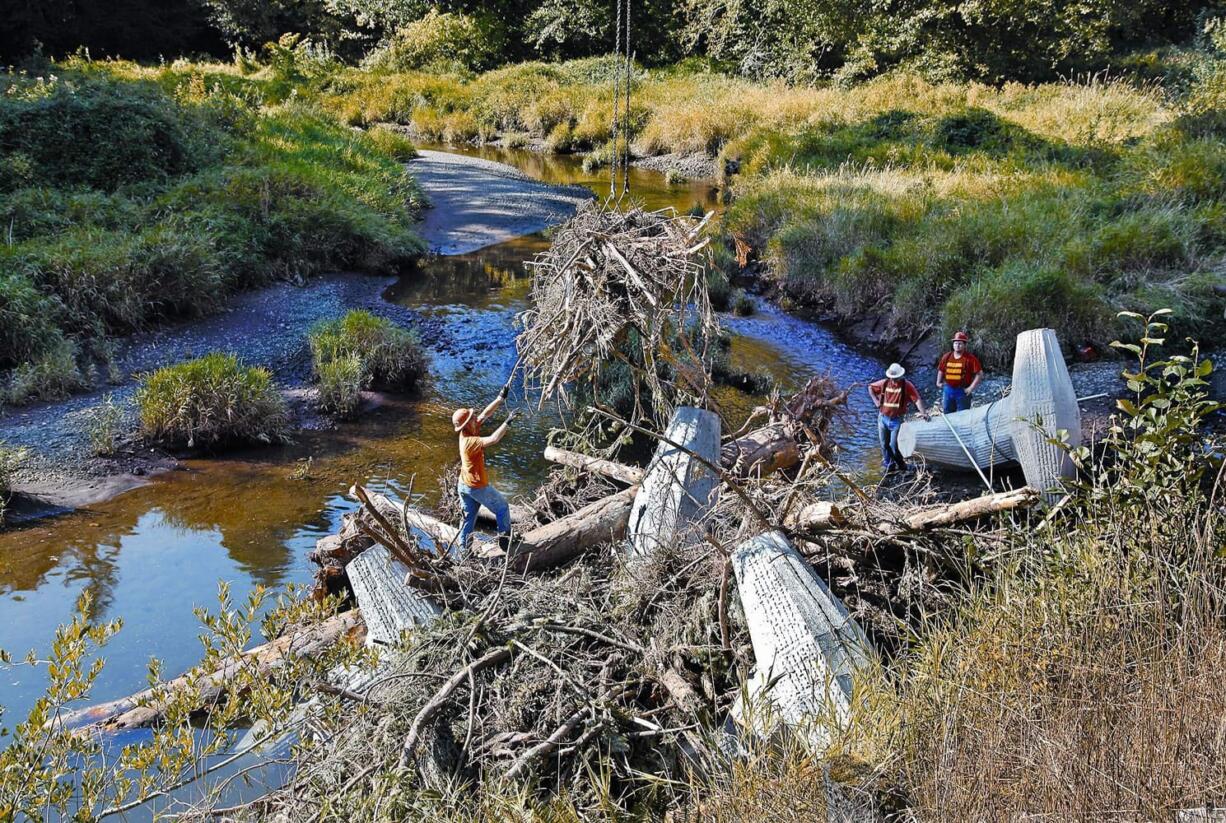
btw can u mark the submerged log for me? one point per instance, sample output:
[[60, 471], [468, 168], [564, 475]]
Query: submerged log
[[762, 451], [630, 475], [144, 709], [807, 648], [677, 489]]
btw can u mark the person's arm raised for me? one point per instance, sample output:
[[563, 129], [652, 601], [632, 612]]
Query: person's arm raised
[[489, 410], [499, 432]]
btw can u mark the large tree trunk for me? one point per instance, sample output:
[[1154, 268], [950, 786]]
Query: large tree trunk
[[141, 710], [564, 539]]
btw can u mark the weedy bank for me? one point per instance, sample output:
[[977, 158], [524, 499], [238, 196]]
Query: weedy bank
[[929, 205], [131, 195]]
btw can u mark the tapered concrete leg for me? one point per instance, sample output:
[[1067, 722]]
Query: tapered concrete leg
[[388, 605], [677, 489], [985, 430], [1044, 405], [806, 646]]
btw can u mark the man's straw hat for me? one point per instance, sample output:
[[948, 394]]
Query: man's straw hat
[[460, 418]]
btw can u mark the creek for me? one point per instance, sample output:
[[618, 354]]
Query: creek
[[150, 555]]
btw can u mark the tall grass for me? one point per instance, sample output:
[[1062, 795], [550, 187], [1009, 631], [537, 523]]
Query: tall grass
[[209, 402], [10, 461], [359, 351]]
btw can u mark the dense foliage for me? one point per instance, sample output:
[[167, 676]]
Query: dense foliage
[[129, 195], [991, 40]]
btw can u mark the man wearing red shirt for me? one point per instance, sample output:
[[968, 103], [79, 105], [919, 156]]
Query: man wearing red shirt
[[958, 375], [892, 396]]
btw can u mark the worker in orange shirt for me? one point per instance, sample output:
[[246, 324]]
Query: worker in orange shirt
[[958, 375], [474, 484], [892, 396]]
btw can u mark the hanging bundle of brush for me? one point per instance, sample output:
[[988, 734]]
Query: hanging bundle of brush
[[620, 313]]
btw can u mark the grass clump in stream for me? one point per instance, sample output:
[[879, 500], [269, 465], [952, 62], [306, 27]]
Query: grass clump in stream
[[360, 351], [210, 402]]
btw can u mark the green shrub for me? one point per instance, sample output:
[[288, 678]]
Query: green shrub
[[102, 135], [211, 401], [440, 41], [341, 381], [105, 427], [389, 357], [742, 303], [1004, 302]]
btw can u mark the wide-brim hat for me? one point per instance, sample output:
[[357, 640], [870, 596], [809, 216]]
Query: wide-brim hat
[[895, 371], [460, 418], [961, 337]]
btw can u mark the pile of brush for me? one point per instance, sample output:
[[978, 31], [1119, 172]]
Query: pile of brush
[[624, 287]]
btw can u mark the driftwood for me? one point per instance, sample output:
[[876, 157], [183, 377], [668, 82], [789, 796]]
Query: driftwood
[[824, 516], [630, 475], [145, 709], [562, 540]]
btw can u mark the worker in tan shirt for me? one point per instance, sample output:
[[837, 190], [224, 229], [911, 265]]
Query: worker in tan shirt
[[474, 485]]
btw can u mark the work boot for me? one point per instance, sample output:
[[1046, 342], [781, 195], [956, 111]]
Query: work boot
[[504, 543]]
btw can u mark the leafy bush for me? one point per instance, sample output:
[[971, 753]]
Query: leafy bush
[[440, 41], [360, 350], [211, 401], [102, 135]]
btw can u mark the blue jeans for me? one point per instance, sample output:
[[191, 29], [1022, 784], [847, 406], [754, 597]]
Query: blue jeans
[[954, 399], [887, 434], [472, 500]]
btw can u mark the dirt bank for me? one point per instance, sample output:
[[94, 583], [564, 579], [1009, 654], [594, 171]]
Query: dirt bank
[[475, 203]]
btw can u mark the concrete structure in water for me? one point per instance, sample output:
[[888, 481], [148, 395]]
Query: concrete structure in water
[[806, 646], [1019, 426], [677, 490]]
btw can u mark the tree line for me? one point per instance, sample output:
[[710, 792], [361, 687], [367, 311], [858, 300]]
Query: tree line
[[800, 40]]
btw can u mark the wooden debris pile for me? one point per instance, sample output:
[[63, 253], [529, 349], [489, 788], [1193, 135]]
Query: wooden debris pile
[[621, 288]]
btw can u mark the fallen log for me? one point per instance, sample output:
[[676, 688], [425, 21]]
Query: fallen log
[[565, 538], [630, 475], [389, 606], [145, 709], [819, 517], [761, 451], [939, 516]]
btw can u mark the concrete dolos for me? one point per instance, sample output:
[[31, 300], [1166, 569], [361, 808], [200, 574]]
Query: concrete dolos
[[677, 489], [1042, 403], [1044, 406], [806, 646], [984, 429]]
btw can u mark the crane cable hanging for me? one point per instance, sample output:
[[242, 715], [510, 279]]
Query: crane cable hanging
[[621, 114]]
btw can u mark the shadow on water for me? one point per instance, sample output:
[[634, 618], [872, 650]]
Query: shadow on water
[[151, 555]]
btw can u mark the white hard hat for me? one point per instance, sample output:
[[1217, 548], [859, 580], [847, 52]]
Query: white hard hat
[[895, 371]]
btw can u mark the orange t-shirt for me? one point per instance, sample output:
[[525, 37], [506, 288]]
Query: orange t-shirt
[[472, 462]]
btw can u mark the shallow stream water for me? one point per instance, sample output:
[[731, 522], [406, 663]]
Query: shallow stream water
[[153, 554]]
